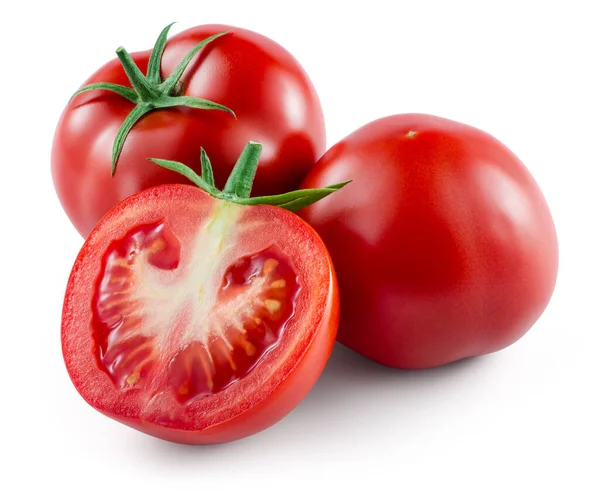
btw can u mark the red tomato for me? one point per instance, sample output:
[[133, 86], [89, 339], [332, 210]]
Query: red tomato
[[271, 95], [198, 319], [443, 243]]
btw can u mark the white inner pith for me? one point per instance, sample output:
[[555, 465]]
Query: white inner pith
[[171, 309], [195, 293]]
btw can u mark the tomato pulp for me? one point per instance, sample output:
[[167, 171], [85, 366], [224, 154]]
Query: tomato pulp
[[198, 320], [272, 97], [443, 244]]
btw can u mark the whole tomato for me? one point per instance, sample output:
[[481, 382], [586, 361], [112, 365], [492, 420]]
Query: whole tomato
[[214, 86], [443, 243]]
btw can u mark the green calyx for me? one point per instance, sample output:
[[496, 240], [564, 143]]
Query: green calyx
[[151, 92], [238, 186]]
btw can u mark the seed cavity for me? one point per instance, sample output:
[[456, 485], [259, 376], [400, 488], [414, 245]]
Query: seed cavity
[[272, 306], [133, 378], [195, 331], [270, 266], [249, 348], [157, 245]]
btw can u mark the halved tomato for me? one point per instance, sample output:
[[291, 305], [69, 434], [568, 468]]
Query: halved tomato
[[199, 319]]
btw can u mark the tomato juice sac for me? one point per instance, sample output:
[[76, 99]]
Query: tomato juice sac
[[191, 320]]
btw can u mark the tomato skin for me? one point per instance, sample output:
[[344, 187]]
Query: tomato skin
[[261, 82], [281, 384], [443, 243]]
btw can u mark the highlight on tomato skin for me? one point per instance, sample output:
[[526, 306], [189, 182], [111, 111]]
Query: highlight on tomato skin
[[197, 315], [445, 247]]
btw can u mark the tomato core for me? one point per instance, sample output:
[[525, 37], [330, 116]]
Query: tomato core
[[192, 329]]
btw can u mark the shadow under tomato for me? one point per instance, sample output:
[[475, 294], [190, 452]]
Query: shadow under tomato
[[353, 399], [353, 389], [347, 368]]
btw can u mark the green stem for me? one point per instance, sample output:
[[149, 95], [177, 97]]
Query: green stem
[[294, 200], [149, 93], [153, 73], [185, 171], [124, 91], [189, 101], [123, 131], [240, 181], [239, 184], [207, 172], [138, 81]]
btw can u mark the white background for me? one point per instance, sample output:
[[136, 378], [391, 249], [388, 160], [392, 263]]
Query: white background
[[523, 421]]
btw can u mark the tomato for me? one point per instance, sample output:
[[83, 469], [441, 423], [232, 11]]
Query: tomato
[[443, 244], [240, 71], [199, 318]]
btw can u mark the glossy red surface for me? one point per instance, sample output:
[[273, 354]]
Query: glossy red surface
[[443, 243]]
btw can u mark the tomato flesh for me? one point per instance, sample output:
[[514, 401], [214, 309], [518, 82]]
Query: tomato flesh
[[192, 314]]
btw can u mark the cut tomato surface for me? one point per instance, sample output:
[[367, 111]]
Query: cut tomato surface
[[198, 320]]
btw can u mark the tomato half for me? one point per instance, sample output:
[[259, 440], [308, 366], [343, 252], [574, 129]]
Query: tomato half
[[267, 89], [443, 244], [198, 320]]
